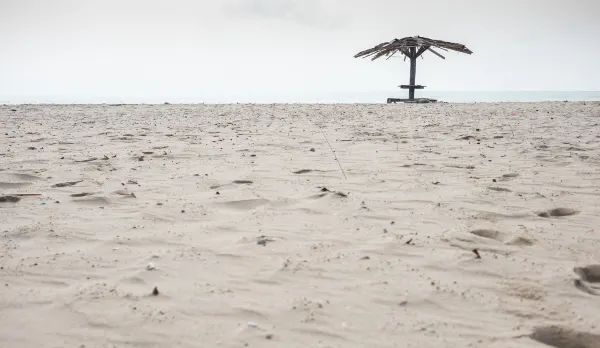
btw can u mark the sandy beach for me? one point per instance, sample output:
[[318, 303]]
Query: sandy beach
[[235, 226]]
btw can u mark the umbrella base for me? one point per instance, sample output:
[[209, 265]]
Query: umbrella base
[[416, 100]]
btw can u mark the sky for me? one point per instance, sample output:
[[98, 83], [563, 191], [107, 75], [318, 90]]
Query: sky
[[286, 50]]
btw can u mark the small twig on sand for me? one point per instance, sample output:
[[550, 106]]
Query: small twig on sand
[[334, 155], [330, 147], [476, 252]]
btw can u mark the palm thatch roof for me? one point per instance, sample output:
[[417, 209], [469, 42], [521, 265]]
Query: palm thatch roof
[[411, 47]]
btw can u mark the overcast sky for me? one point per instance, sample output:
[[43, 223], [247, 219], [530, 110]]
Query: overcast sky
[[285, 50]]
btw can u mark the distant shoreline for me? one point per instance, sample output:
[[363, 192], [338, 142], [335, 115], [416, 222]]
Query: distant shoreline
[[313, 97], [288, 104]]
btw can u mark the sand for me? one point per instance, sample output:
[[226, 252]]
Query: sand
[[241, 218]]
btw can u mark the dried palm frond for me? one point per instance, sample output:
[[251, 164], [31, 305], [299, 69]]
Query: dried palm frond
[[411, 47]]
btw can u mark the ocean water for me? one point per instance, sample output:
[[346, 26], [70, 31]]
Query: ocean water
[[510, 96], [369, 97], [462, 96]]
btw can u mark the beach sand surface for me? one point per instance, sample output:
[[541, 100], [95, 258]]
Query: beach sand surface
[[254, 235]]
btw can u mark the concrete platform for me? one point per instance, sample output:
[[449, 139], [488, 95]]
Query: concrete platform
[[416, 100]]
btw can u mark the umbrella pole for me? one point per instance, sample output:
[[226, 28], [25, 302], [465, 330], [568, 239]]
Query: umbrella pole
[[413, 73]]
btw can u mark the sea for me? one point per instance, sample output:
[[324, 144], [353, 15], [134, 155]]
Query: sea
[[511, 96], [461, 96], [319, 97]]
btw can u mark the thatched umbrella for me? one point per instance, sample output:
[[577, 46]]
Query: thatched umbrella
[[413, 48]]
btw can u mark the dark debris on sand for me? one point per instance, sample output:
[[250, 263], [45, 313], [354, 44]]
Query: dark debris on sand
[[9, 199], [83, 194], [67, 184], [337, 193]]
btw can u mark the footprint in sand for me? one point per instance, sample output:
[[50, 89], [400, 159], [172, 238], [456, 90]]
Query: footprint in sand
[[560, 337], [16, 180], [588, 275], [520, 241], [67, 184], [502, 237], [13, 185], [246, 204], [558, 212], [490, 234], [499, 189], [91, 200], [27, 177], [583, 286], [509, 176]]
